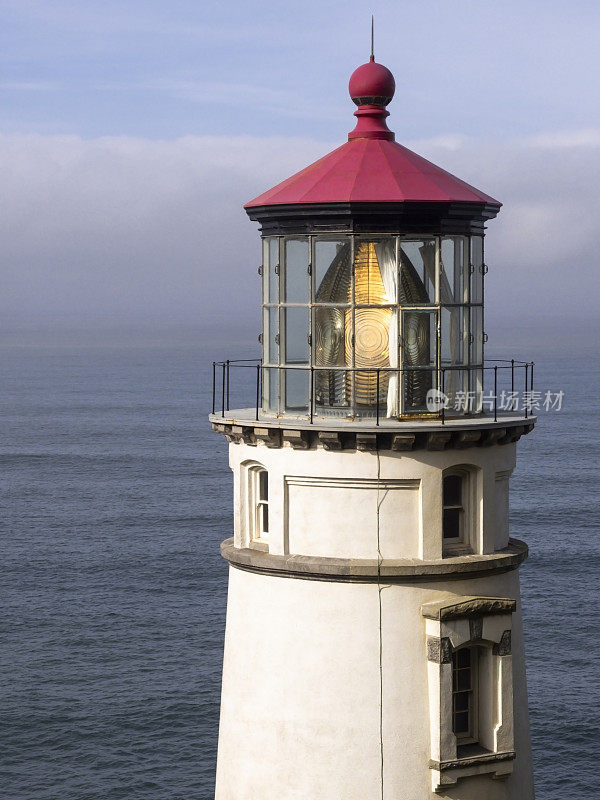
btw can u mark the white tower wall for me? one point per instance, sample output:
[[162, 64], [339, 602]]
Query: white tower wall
[[336, 673]]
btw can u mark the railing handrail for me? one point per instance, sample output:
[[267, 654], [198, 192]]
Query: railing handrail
[[347, 368], [257, 363]]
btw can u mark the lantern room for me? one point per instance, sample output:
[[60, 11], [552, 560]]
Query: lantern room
[[370, 322], [372, 279]]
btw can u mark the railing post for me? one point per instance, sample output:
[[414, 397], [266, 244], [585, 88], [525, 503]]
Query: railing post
[[443, 397], [227, 384], [495, 393], [213, 385], [377, 401], [531, 381], [257, 389], [512, 378], [311, 390], [526, 385], [223, 389]]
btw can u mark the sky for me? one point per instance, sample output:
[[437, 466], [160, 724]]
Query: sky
[[132, 133]]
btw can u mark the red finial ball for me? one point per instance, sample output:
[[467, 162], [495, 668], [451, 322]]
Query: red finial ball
[[372, 84]]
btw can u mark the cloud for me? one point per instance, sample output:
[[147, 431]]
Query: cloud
[[131, 231], [127, 231], [541, 249]]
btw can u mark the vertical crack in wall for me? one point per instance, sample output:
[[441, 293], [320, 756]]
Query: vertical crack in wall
[[380, 588]]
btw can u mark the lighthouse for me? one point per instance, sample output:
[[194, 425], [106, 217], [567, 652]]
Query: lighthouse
[[374, 644]]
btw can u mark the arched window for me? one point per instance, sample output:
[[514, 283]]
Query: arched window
[[258, 505], [454, 507]]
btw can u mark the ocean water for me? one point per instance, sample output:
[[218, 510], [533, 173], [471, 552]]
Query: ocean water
[[114, 497]]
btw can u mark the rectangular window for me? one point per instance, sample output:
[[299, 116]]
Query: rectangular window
[[259, 504], [464, 711], [263, 503]]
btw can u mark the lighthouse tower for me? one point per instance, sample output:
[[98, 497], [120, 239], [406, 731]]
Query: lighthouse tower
[[374, 644]]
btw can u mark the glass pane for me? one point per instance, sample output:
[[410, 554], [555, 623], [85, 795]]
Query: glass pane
[[375, 273], [265, 518], [451, 523], [263, 485], [454, 269], [419, 338], [296, 335], [270, 335], [296, 390], [447, 271], [463, 657], [265, 270], [332, 336], [270, 378], [455, 385], [417, 272], [463, 683], [271, 277], [453, 490], [365, 390], [296, 271], [461, 722], [333, 388], [476, 391], [461, 701], [332, 270], [417, 383], [477, 269], [476, 335], [372, 339], [453, 335]]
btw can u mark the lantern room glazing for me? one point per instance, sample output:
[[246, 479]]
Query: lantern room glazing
[[356, 326]]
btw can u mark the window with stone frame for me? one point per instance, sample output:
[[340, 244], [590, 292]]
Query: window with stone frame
[[470, 679], [459, 510]]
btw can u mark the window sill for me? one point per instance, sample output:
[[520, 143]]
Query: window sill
[[454, 550], [255, 544], [471, 760]]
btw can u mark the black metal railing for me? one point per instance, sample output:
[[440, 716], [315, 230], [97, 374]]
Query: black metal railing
[[513, 373]]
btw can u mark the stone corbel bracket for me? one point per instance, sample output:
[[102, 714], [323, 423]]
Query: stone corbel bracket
[[303, 438]]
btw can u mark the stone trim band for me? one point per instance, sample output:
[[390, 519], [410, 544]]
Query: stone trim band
[[354, 570]]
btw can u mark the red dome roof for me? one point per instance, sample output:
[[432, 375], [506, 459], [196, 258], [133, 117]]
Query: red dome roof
[[371, 167], [371, 171]]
